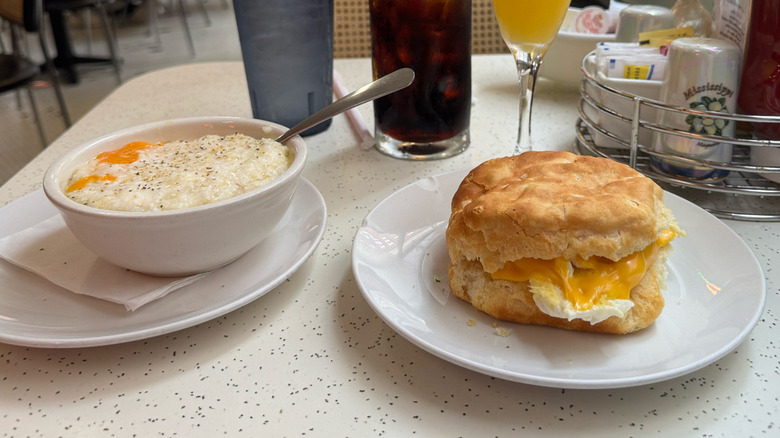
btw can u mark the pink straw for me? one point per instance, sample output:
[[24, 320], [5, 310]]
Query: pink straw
[[356, 122]]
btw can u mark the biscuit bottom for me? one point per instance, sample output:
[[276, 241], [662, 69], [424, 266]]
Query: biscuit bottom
[[512, 301]]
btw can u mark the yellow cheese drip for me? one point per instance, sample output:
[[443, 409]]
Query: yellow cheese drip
[[587, 281]]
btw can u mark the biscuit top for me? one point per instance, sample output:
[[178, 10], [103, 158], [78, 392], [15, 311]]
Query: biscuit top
[[554, 204]]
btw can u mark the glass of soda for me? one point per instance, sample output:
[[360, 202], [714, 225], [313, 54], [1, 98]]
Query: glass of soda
[[430, 118]]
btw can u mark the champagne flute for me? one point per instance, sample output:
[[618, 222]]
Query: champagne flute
[[528, 27]]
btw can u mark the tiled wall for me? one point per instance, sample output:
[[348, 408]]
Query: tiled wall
[[352, 37]]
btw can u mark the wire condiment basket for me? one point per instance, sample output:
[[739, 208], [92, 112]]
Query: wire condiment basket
[[622, 126]]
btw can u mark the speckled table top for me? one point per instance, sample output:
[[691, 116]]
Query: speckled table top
[[312, 358]]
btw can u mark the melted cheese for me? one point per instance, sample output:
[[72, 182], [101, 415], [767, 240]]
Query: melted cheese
[[587, 283]]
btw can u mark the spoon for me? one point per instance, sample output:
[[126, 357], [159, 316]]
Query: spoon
[[381, 87]]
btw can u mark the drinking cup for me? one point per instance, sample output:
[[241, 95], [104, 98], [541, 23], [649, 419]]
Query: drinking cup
[[430, 118], [287, 48]]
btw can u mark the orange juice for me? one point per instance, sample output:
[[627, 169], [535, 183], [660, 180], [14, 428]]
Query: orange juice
[[529, 25]]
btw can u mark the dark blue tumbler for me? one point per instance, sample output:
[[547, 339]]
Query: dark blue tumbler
[[287, 47]]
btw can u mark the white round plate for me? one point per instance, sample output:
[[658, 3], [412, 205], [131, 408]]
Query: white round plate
[[36, 313], [715, 295]]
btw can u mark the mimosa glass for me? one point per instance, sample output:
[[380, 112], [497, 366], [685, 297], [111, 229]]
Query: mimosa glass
[[528, 28]]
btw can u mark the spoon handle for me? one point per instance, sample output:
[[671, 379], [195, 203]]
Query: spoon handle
[[383, 86]]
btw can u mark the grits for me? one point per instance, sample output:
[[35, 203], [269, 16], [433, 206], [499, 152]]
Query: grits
[[178, 174]]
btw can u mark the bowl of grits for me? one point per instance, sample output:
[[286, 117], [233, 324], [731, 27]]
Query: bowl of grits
[[177, 197]]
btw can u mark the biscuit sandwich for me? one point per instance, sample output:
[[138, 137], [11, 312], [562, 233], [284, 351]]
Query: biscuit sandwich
[[557, 239]]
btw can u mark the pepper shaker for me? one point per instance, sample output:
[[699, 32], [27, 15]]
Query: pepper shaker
[[636, 19]]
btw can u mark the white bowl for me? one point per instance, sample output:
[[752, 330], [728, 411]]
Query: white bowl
[[563, 59], [184, 241]]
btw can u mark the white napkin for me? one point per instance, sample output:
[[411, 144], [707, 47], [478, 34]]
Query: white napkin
[[50, 250]]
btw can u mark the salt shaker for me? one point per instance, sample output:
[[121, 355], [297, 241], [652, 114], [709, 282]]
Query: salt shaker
[[637, 19], [702, 74]]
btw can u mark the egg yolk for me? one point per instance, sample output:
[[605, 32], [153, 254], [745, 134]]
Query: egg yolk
[[89, 179], [125, 155], [585, 282]]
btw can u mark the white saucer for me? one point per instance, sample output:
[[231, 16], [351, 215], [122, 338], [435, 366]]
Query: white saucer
[[36, 313], [400, 263]]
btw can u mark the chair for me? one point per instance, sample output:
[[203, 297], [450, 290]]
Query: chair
[[65, 57], [152, 19], [171, 8], [17, 70]]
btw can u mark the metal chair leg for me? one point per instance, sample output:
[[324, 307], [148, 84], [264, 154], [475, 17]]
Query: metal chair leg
[[55, 77], [111, 37], [86, 17], [205, 12], [190, 44], [37, 116], [152, 23]]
